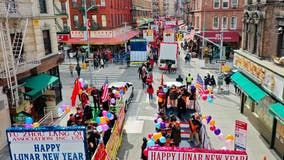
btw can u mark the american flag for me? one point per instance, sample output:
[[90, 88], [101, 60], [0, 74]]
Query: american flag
[[105, 91], [199, 81]]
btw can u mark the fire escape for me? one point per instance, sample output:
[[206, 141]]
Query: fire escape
[[13, 28]]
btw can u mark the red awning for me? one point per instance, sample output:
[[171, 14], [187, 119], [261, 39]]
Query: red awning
[[104, 41], [228, 36]]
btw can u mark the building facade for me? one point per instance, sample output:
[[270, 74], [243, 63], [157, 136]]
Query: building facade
[[156, 8], [28, 51], [261, 74], [141, 11], [210, 17]]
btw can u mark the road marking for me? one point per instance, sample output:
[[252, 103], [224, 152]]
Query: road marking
[[147, 99], [138, 96]]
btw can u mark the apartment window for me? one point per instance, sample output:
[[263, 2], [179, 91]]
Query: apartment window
[[281, 44], [216, 22], [104, 22], [42, 6], [216, 4], [83, 3], [234, 3], [76, 21], [233, 24], [94, 18], [224, 22], [84, 21], [103, 2], [46, 41], [65, 25], [93, 2], [74, 3], [63, 7], [225, 4]]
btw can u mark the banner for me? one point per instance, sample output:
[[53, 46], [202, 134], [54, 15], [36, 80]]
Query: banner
[[47, 143], [175, 153], [148, 34], [240, 135]]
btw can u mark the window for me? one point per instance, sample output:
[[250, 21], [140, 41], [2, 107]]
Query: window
[[84, 21], [12, 6], [224, 23], [76, 21], [233, 24], [104, 22], [74, 3], [216, 22], [63, 7], [234, 3], [83, 3], [65, 25], [42, 6], [225, 4], [281, 42], [94, 18], [216, 4], [46, 41], [103, 2], [93, 2]]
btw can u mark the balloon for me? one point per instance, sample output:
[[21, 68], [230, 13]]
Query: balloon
[[203, 117], [98, 120], [206, 92], [156, 116], [163, 125], [158, 125], [160, 120], [162, 139], [204, 97], [145, 152], [224, 148], [67, 109], [80, 91], [121, 91], [157, 136], [208, 119], [104, 113], [160, 95], [60, 110], [28, 125], [103, 120], [156, 121], [212, 96], [63, 107], [117, 92], [109, 115], [210, 100], [29, 120], [221, 136], [82, 84], [212, 122], [212, 128], [230, 137], [150, 135], [165, 90], [210, 91], [112, 117], [150, 143], [112, 101], [204, 121], [99, 128], [114, 91], [105, 127], [229, 143], [36, 124], [160, 100], [217, 131]]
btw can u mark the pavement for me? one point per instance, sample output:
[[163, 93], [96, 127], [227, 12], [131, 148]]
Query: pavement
[[225, 109]]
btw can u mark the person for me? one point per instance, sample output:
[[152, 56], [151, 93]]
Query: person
[[84, 98], [173, 96], [78, 69], [150, 91], [189, 80], [227, 81], [212, 83], [144, 80], [179, 79], [102, 63], [143, 147], [195, 127], [176, 135], [181, 106], [140, 71], [96, 98], [169, 67], [71, 68], [71, 120], [88, 112], [187, 57]]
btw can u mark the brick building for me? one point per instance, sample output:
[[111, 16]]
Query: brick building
[[260, 62], [141, 12], [211, 15]]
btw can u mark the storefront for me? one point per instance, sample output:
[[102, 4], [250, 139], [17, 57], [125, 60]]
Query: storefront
[[262, 97]]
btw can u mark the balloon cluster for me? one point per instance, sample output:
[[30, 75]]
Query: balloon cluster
[[159, 124], [64, 108], [103, 120], [117, 93], [29, 123], [229, 138]]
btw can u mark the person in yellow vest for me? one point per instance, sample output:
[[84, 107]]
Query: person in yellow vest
[[189, 80]]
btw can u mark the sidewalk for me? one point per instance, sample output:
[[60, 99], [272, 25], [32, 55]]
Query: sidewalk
[[225, 110]]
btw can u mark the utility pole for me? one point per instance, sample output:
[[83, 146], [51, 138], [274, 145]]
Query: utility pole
[[88, 40], [125, 38], [204, 26], [221, 48]]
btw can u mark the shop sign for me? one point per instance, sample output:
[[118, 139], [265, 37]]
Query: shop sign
[[101, 34], [47, 143], [62, 37], [148, 34], [77, 34], [240, 135], [170, 153]]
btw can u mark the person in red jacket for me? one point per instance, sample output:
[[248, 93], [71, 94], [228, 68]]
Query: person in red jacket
[[150, 91]]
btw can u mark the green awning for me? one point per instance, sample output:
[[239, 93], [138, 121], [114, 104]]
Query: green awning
[[277, 110], [248, 86], [39, 84]]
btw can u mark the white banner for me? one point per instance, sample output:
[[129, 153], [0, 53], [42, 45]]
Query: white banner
[[241, 135], [138, 56]]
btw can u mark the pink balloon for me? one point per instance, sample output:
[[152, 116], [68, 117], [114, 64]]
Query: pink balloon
[[221, 136], [112, 101], [105, 127], [204, 121], [104, 113], [229, 143]]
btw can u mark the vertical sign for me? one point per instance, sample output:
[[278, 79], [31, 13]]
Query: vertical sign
[[240, 135]]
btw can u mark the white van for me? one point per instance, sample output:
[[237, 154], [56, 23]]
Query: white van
[[168, 54]]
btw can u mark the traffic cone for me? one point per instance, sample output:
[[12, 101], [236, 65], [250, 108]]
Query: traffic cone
[[264, 158]]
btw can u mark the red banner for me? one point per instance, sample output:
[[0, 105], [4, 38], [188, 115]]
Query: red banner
[[228, 36]]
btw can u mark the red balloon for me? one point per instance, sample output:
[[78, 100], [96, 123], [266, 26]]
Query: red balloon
[[150, 135], [206, 92], [212, 96], [204, 97], [160, 95], [212, 128], [145, 152]]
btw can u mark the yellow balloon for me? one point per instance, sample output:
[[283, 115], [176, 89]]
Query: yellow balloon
[[212, 122], [230, 137], [203, 117], [36, 124], [157, 136], [80, 91], [160, 100], [67, 109]]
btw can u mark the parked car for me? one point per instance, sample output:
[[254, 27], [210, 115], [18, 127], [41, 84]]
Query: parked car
[[128, 95]]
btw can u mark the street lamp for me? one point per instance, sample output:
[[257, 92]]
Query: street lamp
[[88, 39]]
